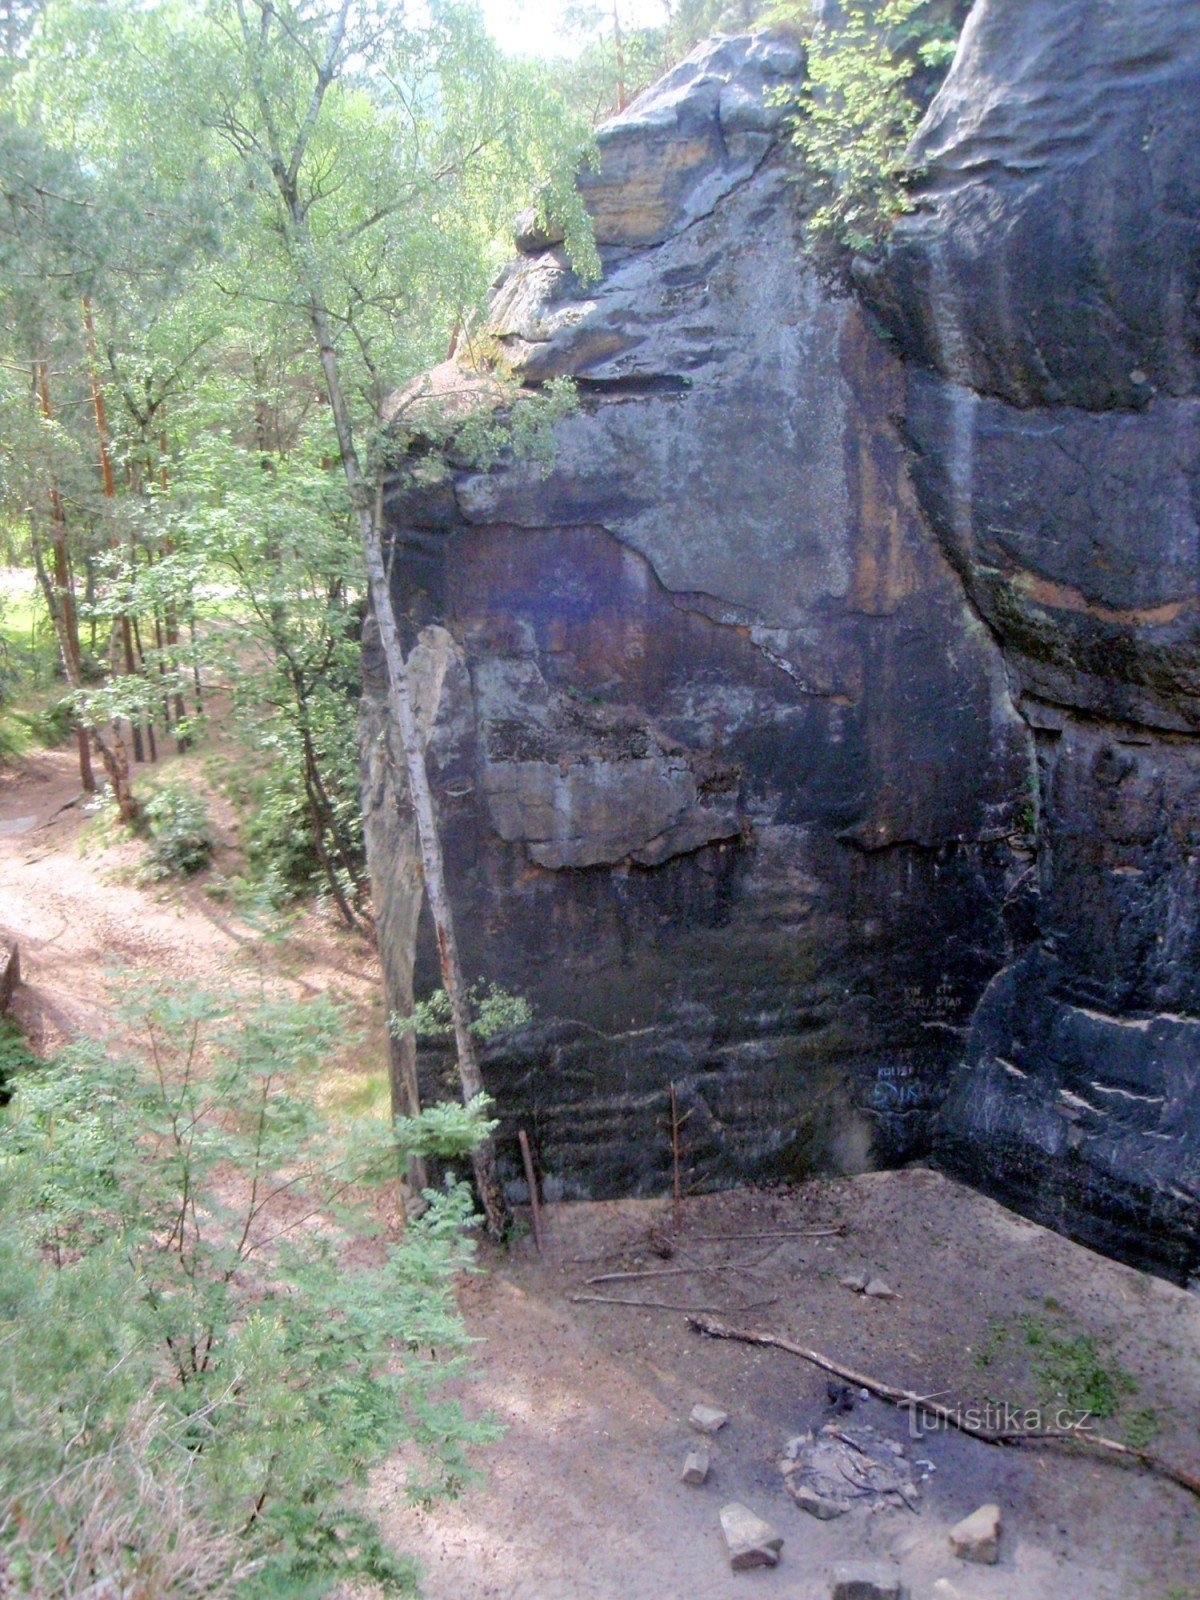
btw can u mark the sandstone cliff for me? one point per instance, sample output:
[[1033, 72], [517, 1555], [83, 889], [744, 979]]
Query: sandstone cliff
[[817, 735], [1045, 296]]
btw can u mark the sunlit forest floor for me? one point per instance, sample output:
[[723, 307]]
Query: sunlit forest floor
[[581, 1498]]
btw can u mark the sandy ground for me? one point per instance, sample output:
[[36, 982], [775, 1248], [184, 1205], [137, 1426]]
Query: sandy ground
[[581, 1499], [78, 910]]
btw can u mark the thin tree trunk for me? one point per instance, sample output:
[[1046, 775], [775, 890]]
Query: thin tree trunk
[[368, 513], [60, 602], [110, 493]]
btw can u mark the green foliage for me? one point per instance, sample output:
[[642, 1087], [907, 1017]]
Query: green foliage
[[1141, 1427], [181, 836], [15, 1057], [857, 112], [1073, 1369], [197, 1333], [494, 1011]]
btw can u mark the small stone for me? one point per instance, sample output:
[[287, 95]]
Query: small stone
[[855, 1280], [879, 1289], [695, 1467], [817, 1506], [943, 1589], [751, 1541], [866, 1580], [708, 1419], [977, 1537]]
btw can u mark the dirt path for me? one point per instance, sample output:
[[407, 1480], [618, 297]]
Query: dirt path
[[79, 911]]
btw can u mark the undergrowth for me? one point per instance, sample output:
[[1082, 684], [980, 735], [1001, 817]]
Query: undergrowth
[[207, 1335]]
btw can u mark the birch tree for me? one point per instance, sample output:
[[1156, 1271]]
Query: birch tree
[[447, 115]]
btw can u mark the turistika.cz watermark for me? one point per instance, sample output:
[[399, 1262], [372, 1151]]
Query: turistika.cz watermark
[[996, 1417]]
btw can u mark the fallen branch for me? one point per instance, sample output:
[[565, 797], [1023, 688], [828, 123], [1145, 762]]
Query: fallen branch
[[693, 1270], [921, 1404], [660, 1305], [781, 1233]]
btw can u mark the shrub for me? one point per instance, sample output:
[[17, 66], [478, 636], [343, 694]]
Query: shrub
[[870, 74], [181, 838], [187, 1341], [15, 1057]]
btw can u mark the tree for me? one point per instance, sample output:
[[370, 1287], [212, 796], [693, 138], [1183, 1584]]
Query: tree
[[860, 103], [450, 109], [198, 1372]]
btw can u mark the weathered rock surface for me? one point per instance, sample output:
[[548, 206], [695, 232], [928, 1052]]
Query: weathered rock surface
[[820, 734], [977, 1537], [1046, 296], [751, 1542], [727, 765]]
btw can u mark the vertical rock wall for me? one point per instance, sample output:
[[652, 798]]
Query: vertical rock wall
[[818, 734], [732, 785], [1045, 296]]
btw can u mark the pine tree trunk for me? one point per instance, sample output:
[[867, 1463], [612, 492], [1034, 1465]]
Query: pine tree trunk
[[60, 600]]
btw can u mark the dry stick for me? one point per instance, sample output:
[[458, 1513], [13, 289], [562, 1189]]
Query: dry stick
[[918, 1403], [676, 1195], [668, 1272], [662, 1305], [783, 1233], [534, 1203]]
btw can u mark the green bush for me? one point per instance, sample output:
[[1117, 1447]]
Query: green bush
[[15, 1057], [197, 1370], [181, 837], [871, 71], [277, 836]]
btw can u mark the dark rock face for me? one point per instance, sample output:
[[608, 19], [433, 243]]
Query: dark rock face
[[728, 769], [1046, 295], [819, 735]]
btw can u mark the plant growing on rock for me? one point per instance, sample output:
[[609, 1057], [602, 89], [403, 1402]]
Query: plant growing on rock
[[860, 103]]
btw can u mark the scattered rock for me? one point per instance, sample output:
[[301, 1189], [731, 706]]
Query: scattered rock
[[695, 1467], [867, 1580], [943, 1589], [855, 1280], [977, 1537], [879, 1289], [841, 1396], [817, 1505], [751, 1541], [844, 1465], [708, 1419]]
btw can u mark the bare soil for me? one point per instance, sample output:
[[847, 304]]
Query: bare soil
[[80, 907], [581, 1498]]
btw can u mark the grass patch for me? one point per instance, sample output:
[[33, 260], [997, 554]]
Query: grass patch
[[1074, 1370], [346, 1095]]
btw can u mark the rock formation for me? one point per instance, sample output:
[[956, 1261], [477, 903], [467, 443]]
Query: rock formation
[[1045, 296], [816, 735]]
